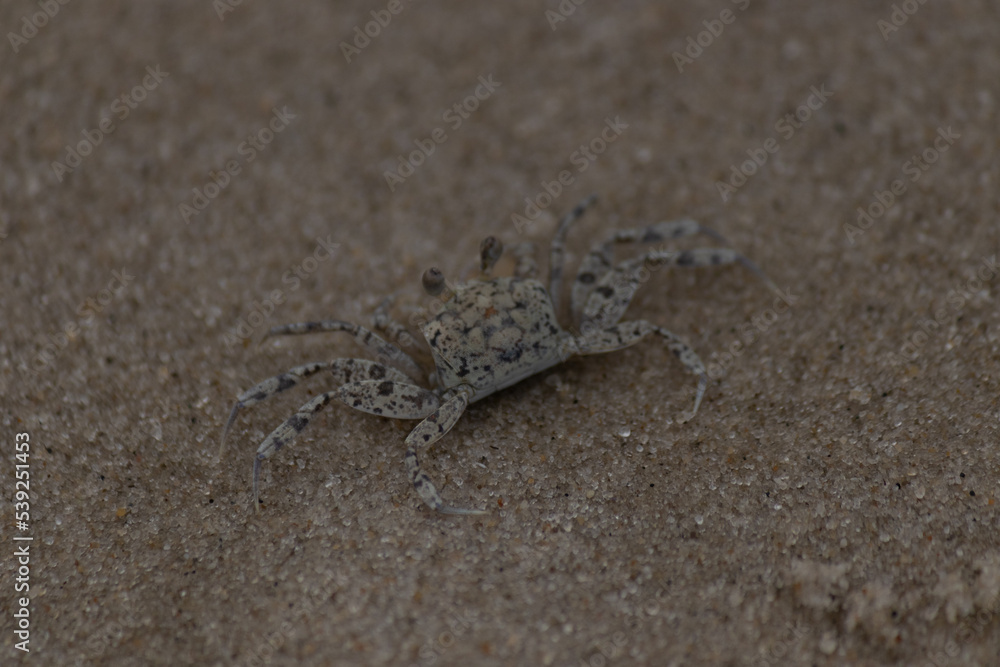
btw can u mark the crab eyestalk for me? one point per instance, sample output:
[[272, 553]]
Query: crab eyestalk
[[433, 281], [489, 252]]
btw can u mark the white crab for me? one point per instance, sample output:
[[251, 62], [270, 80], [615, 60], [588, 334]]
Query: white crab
[[491, 334]]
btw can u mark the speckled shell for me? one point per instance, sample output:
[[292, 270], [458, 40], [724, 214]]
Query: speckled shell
[[495, 333]]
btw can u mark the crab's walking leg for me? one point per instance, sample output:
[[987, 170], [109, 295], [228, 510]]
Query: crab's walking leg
[[557, 251], [598, 261], [386, 353], [626, 334], [394, 330], [611, 296], [387, 398], [490, 251], [285, 434], [524, 254], [344, 370], [428, 432]]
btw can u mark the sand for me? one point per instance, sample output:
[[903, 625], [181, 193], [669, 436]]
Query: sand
[[178, 177]]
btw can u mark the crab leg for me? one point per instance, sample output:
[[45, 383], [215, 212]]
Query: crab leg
[[386, 398], [611, 296], [386, 353], [557, 250], [524, 253], [382, 321], [627, 334], [344, 371], [599, 260], [429, 431]]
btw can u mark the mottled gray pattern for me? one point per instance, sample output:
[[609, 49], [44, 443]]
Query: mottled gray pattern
[[389, 399], [493, 334], [490, 334], [343, 371]]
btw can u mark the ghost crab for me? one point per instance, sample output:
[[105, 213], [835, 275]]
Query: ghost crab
[[491, 333]]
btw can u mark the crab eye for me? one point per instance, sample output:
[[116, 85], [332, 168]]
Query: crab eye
[[489, 252], [433, 281]]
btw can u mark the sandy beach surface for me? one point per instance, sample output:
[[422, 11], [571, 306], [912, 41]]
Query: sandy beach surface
[[177, 177]]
